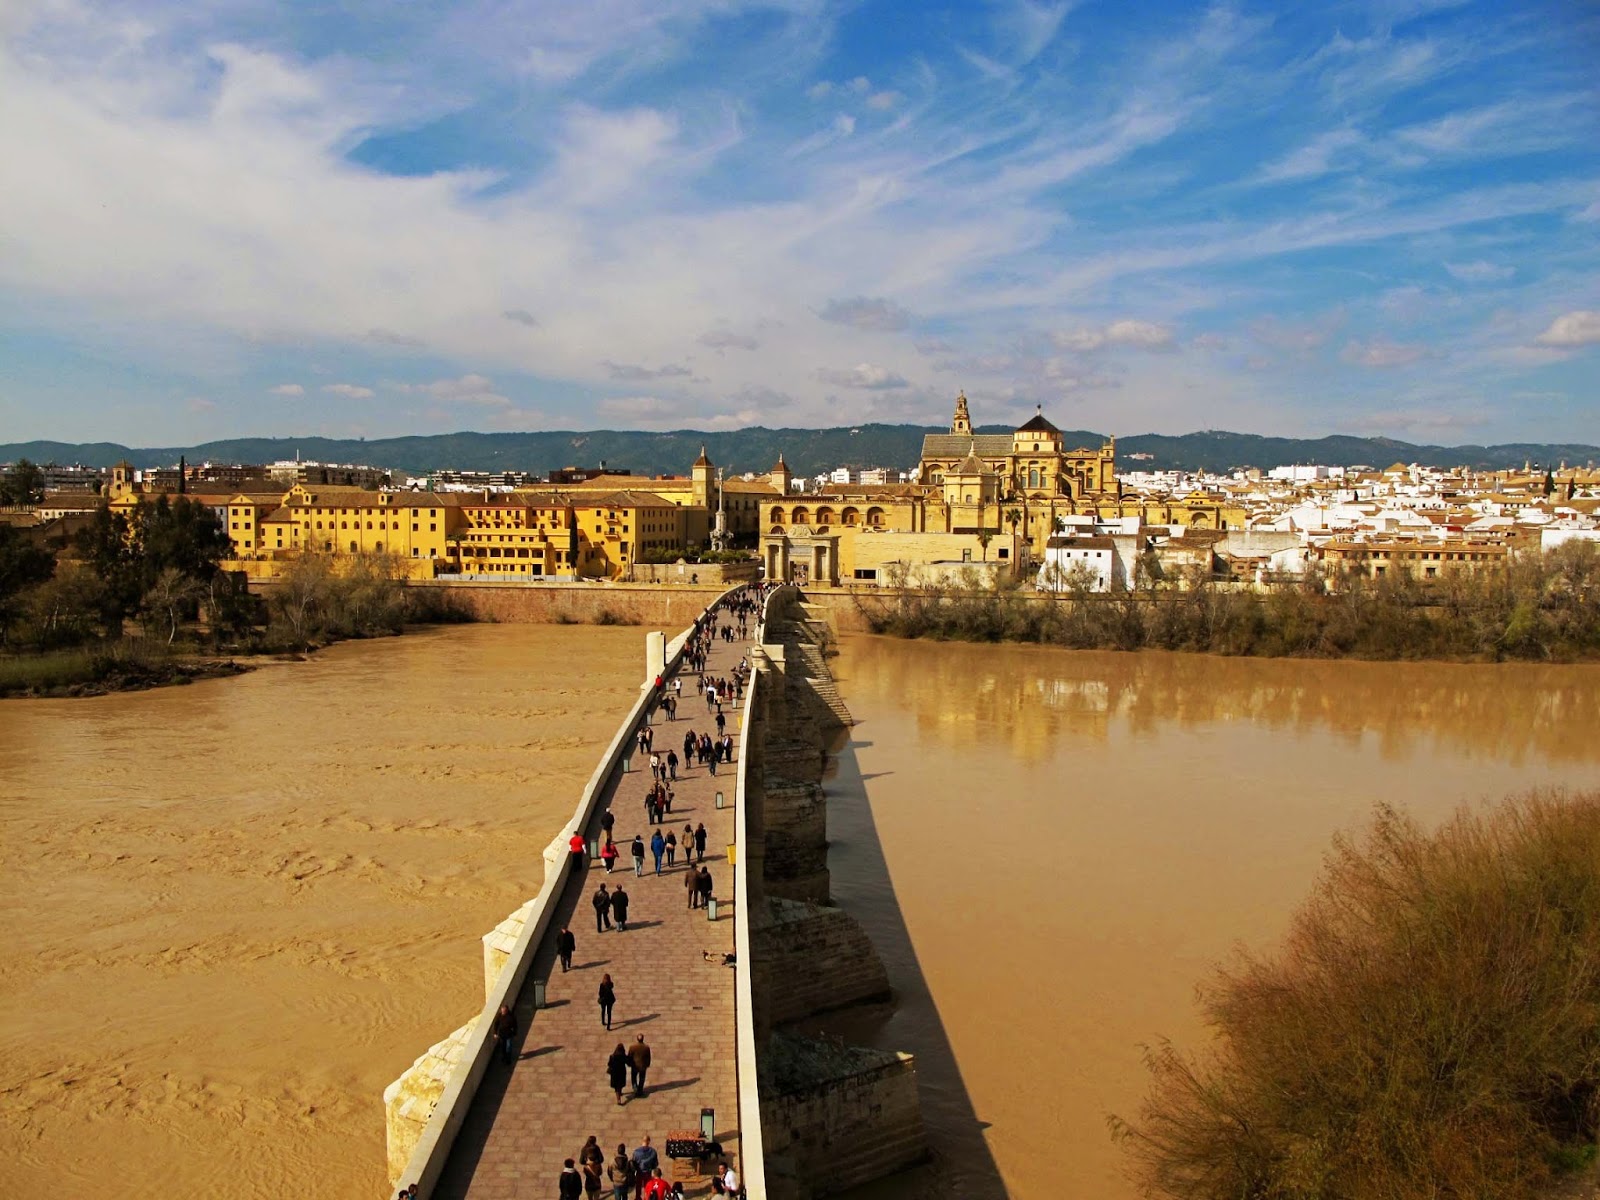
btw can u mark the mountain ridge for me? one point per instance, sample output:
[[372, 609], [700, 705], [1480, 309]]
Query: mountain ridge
[[807, 451]]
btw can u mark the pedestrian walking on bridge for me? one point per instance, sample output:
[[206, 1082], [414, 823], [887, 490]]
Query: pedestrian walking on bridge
[[639, 1064], [504, 1030], [601, 902], [617, 1070], [565, 945], [619, 908], [637, 851], [658, 847], [620, 1173], [608, 998]]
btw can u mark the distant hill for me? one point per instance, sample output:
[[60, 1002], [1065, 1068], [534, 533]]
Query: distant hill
[[807, 451]]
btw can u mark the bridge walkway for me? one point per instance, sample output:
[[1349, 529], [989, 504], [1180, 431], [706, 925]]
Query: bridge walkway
[[528, 1117]]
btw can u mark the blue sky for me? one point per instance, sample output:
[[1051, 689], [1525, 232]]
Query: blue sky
[[255, 217]]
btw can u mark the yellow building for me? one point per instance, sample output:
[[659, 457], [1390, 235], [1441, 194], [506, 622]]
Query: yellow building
[[616, 529]]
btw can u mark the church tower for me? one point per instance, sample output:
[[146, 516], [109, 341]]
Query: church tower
[[703, 482], [780, 476], [962, 424]]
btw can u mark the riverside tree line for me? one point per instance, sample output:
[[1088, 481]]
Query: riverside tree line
[[118, 597], [1532, 606]]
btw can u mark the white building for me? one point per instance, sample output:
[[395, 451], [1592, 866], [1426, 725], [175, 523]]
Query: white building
[[1093, 559]]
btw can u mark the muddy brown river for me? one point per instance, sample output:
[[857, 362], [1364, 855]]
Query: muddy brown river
[[1051, 848], [235, 911]]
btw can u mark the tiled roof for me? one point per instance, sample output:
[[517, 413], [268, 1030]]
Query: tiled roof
[[959, 445]]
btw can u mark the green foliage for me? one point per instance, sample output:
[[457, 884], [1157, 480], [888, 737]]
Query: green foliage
[[22, 484], [320, 598], [1538, 607], [1430, 1026], [23, 565]]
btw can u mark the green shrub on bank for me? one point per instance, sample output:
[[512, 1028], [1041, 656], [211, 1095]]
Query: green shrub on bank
[[56, 670], [1541, 607], [1430, 1027]]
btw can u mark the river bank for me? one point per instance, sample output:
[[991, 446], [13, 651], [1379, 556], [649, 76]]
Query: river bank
[[1534, 609]]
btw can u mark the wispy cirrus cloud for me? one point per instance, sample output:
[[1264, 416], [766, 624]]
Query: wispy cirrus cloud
[[1140, 335], [338, 205], [869, 313]]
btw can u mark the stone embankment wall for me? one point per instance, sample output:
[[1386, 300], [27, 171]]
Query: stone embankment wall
[[660, 605], [832, 1116]]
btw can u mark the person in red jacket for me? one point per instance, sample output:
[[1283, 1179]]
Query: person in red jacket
[[656, 1188]]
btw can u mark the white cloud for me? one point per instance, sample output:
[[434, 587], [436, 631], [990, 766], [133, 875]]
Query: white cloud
[[1572, 330], [349, 391], [866, 312], [723, 339], [1479, 272], [883, 101], [865, 376], [1381, 352], [820, 90], [1314, 159], [288, 389], [465, 389], [1142, 335], [633, 373]]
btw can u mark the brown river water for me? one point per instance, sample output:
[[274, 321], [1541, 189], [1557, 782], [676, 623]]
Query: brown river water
[[1052, 848], [235, 911]]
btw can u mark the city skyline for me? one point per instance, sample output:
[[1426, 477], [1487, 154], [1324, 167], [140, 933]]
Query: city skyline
[[1380, 218]]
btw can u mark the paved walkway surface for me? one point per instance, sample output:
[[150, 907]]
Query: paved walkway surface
[[528, 1117]]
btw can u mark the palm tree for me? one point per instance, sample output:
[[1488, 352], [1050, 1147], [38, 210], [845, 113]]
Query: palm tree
[[1013, 518], [984, 539]]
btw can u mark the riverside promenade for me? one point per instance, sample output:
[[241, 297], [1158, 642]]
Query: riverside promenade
[[526, 1118]]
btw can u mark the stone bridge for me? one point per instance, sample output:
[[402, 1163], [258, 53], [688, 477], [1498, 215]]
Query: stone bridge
[[462, 1123]]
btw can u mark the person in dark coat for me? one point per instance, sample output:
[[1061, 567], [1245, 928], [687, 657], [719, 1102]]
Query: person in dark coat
[[700, 841], [608, 997], [638, 1064], [658, 847], [637, 851], [619, 907], [601, 901], [617, 1070], [565, 945], [504, 1029], [607, 823], [691, 884], [705, 886], [570, 1183]]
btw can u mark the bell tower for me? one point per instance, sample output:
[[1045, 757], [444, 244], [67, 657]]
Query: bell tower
[[962, 424], [703, 482]]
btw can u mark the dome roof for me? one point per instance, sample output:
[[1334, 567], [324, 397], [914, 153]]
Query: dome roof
[[1037, 424]]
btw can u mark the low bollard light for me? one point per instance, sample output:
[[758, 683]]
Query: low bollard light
[[708, 1124], [538, 993], [594, 847], [711, 908], [721, 803], [627, 764]]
